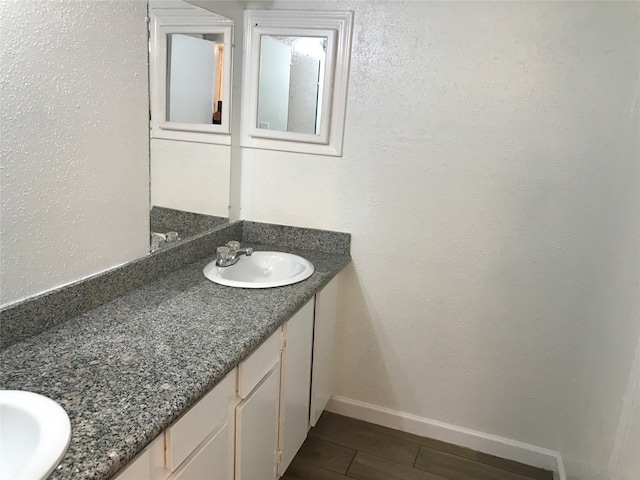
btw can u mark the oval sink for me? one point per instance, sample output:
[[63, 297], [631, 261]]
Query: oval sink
[[261, 270], [34, 434]]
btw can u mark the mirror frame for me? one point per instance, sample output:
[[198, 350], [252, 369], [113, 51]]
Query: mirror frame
[[192, 20], [336, 26]]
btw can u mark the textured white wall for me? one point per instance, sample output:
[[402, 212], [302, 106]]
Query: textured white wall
[[488, 166], [606, 339], [190, 176], [624, 463], [74, 128], [628, 467]]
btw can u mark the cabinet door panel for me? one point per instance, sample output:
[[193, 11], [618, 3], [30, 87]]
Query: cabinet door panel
[[211, 462], [323, 348], [148, 465], [138, 469], [255, 366], [295, 384], [184, 436], [256, 430]]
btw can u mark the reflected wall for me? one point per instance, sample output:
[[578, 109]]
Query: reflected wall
[[190, 143], [74, 189]]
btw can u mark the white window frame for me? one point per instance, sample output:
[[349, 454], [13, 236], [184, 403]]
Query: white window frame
[[192, 20], [336, 26]]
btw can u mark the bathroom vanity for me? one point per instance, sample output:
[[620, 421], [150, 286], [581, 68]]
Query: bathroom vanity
[[180, 375], [253, 422]]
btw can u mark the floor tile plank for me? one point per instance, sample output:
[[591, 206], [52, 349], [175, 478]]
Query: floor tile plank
[[427, 442], [301, 470], [360, 436], [341, 448], [321, 453], [368, 467], [515, 467], [459, 468]]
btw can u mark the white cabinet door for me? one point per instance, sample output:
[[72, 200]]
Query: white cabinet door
[[295, 384], [257, 430], [138, 469], [210, 462], [207, 416], [254, 368], [148, 465], [323, 348]]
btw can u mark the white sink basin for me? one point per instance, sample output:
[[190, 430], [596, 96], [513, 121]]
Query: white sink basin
[[34, 434], [261, 270]]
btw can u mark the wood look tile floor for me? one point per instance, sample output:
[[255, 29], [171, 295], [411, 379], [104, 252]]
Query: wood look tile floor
[[342, 448]]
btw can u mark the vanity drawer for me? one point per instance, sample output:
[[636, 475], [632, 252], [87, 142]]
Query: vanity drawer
[[184, 436], [258, 364]]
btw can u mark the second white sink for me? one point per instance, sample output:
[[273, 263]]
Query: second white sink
[[34, 434], [261, 270]]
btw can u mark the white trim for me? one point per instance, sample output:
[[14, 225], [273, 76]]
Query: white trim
[[559, 474], [445, 432], [170, 17], [336, 26], [257, 32], [194, 137]]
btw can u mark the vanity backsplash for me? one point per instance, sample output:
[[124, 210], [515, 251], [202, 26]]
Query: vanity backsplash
[[39, 313], [187, 224]]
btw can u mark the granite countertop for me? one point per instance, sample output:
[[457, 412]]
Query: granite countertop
[[128, 369]]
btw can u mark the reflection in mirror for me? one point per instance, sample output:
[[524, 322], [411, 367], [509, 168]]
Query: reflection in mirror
[[169, 226], [294, 80], [290, 83], [189, 73], [190, 91], [195, 64]]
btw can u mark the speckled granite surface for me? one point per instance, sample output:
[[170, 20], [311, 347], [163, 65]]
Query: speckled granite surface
[[129, 368], [296, 237], [36, 314], [187, 224]]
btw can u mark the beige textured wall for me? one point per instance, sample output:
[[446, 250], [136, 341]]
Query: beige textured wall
[[490, 182]]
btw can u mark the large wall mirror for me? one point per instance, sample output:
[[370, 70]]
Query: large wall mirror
[[295, 80], [190, 97]]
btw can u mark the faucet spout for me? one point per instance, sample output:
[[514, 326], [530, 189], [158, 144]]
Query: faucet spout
[[243, 251], [231, 253]]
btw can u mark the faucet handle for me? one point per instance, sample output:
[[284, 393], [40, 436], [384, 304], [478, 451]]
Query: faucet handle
[[223, 254], [233, 245], [158, 240]]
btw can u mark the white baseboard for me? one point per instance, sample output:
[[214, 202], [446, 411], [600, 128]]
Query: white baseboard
[[465, 437]]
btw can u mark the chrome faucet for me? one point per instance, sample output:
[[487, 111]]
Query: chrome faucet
[[230, 253]]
